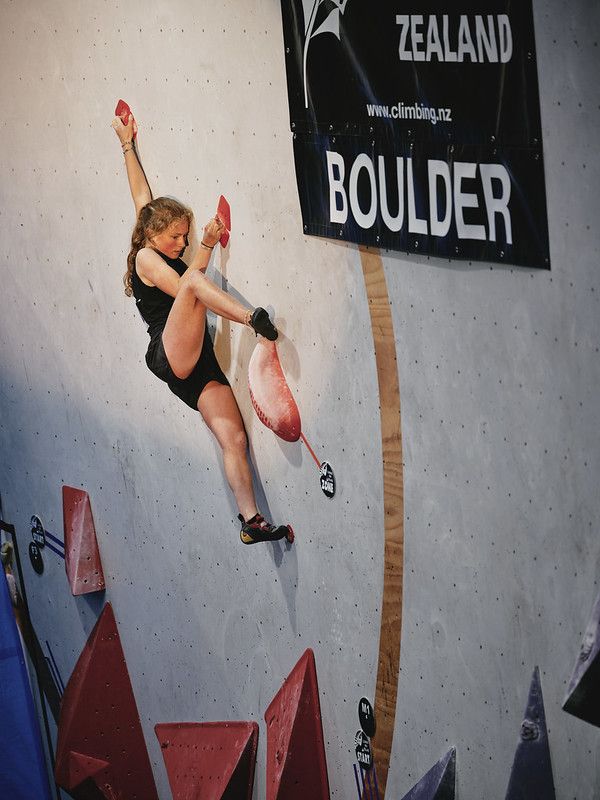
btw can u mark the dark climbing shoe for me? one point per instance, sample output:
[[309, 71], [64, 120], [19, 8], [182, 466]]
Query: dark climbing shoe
[[261, 323], [258, 529]]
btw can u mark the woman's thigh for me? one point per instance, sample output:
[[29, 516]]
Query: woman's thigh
[[183, 334], [221, 413]]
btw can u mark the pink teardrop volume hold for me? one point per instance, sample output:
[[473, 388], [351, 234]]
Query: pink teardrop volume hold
[[270, 394]]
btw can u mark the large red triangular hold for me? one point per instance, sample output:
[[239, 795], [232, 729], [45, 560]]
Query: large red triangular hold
[[209, 760], [296, 763], [82, 557], [101, 752]]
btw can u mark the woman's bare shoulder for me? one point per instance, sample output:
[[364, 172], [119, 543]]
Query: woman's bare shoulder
[[147, 262], [153, 270], [147, 253]]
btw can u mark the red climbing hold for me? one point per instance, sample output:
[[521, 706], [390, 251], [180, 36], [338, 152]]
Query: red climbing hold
[[122, 110], [270, 394], [101, 752], [224, 215], [82, 557], [296, 763], [209, 760], [81, 767]]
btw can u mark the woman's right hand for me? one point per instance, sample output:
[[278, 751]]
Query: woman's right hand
[[124, 132], [213, 230]]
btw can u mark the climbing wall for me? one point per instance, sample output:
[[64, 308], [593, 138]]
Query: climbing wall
[[498, 371]]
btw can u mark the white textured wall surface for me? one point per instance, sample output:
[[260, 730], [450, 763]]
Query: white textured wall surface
[[499, 372]]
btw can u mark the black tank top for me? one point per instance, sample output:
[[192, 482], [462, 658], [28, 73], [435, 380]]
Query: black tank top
[[152, 303]]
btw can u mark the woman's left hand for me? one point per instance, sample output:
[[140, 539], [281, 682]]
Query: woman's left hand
[[213, 230], [124, 132]]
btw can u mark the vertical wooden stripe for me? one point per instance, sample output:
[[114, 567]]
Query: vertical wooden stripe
[[393, 501]]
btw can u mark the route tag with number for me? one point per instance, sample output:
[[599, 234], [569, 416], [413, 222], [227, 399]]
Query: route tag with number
[[38, 534]]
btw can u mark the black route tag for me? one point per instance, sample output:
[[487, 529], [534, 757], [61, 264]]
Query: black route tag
[[327, 479], [366, 716], [363, 750], [38, 534], [35, 556]]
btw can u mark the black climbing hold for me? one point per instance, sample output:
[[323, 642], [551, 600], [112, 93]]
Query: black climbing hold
[[583, 694], [531, 774], [439, 783]]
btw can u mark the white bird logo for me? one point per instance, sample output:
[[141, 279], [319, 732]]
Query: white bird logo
[[330, 24]]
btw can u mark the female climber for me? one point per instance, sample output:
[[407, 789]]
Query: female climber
[[173, 298]]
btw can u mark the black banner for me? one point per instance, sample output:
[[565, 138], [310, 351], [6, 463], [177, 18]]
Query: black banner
[[419, 131]]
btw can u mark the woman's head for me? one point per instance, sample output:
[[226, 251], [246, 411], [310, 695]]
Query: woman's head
[[164, 224]]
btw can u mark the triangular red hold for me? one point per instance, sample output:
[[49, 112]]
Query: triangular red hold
[[296, 763], [83, 767], [101, 750], [122, 110], [82, 557], [209, 760]]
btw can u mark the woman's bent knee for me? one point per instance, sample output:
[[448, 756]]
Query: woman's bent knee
[[193, 281], [236, 442]]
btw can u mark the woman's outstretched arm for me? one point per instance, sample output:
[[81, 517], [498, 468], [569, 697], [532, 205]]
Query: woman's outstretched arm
[[138, 184], [212, 233]]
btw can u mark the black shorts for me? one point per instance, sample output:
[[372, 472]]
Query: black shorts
[[187, 389]]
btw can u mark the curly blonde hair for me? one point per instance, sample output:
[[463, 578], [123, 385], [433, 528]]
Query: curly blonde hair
[[155, 217]]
